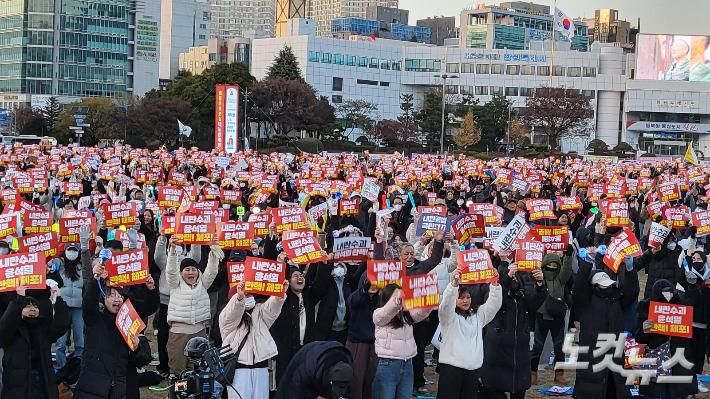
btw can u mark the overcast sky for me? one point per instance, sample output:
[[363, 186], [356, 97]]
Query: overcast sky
[[688, 17]]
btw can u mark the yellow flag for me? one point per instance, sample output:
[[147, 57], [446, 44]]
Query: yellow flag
[[690, 155]]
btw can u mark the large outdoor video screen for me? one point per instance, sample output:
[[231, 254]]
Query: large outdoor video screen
[[673, 57]]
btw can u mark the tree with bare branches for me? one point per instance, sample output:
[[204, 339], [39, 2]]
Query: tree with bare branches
[[558, 113]]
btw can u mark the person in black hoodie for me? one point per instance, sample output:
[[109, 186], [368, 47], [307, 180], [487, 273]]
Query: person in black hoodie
[[361, 338], [661, 263], [664, 291], [321, 369], [506, 343], [26, 337], [296, 323]]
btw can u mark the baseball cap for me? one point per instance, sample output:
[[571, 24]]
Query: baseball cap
[[338, 376], [602, 279], [72, 246]]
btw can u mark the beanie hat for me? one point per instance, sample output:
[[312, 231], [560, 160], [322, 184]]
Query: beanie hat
[[187, 262]]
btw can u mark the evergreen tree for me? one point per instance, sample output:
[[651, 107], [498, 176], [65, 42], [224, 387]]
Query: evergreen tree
[[50, 112], [285, 66]]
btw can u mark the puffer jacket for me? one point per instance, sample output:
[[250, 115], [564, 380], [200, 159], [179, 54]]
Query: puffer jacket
[[462, 344], [161, 259], [189, 304], [395, 343], [260, 345], [71, 291]]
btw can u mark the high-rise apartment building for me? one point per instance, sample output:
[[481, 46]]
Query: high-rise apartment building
[[197, 59], [609, 29], [76, 48], [235, 18], [287, 10], [441, 28], [184, 24], [325, 11]]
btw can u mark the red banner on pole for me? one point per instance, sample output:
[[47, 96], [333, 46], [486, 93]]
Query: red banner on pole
[[23, 269], [381, 273], [128, 268], [420, 292], [476, 266], [265, 277], [671, 319], [129, 323], [235, 235]]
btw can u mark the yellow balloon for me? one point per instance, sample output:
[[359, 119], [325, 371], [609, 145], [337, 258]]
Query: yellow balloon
[[55, 227]]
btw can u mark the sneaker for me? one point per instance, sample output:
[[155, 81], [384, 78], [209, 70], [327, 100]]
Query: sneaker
[[701, 387], [429, 363], [155, 362], [155, 332], [421, 391]]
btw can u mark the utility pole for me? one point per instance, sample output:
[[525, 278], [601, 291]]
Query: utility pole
[[246, 103]]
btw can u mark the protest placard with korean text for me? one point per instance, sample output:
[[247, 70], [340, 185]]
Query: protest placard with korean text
[[69, 228], [555, 238], [432, 223], [265, 277], [122, 214], [468, 226], [40, 242], [623, 245], [671, 319], [476, 267], [236, 273], [195, 228], [529, 255], [540, 208], [351, 248], [290, 218], [129, 323], [23, 269], [235, 235], [128, 268], [420, 292], [381, 273], [302, 247]]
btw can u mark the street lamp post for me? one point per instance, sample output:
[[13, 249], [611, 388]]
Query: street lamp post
[[443, 105]]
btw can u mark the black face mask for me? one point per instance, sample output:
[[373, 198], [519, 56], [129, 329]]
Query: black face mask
[[698, 265], [30, 321]]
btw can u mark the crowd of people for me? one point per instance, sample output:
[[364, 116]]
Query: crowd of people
[[333, 330]]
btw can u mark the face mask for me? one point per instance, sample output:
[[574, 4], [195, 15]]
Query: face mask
[[179, 250], [31, 321], [668, 296], [225, 206], [4, 251], [256, 253], [671, 246], [696, 265], [249, 303], [460, 202], [398, 207], [71, 255], [338, 272]]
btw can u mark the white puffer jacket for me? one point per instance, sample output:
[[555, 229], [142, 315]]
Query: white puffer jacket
[[161, 260], [189, 304], [259, 345]]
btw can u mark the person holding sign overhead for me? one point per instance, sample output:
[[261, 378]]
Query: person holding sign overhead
[[27, 340]]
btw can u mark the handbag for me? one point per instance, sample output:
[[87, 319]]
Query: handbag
[[660, 354], [555, 307]]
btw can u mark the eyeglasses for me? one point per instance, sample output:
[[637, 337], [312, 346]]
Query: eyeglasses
[[115, 295]]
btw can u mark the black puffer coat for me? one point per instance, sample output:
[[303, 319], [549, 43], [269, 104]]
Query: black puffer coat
[[661, 265], [600, 313], [506, 343], [103, 365], [303, 378], [15, 338], [653, 340]]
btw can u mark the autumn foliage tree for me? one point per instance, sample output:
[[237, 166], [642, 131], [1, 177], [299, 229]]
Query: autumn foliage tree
[[397, 133], [469, 133], [518, 133], [558, 113]]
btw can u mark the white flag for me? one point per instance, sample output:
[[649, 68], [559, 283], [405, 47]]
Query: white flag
[[563, 24], [186, 130]]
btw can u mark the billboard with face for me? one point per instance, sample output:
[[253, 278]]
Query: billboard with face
[[673, 57]]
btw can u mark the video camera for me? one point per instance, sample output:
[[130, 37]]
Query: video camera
[[198, 383]]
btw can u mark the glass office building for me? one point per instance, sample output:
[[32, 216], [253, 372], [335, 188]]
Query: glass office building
[[81, 49]]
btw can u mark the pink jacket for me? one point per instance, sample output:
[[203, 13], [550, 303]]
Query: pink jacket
[[395, 343]]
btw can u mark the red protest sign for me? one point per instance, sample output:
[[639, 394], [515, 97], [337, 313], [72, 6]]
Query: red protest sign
[[431, 197], [236, 273], [678, 216], [170, 196], [555, 238], [492, 214], [195, 228], [123, 237], [177, 178], [265, 277], [10, 225], [260, 224], [671, 319], [41, 242], [616, 212], [290, 218], [420, 292], [352, 249], [476, 267], [235, 235], [381, 273], [529, 255], [64, 169], [623, 245], [69, 228], [432, 210], [540, 208], [121, 214], [467, 226], [129, 323], [71, 188], [301, 247], [569, 203], [23, 269], [128, 268], [167, 224], [349, 207], [504, 176], [654, 209], [701, 220], [231, 197], [669, 191]]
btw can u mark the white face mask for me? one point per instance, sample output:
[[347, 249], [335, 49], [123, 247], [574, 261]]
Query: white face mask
[[460, 202], [249, 303], [397, 207], [668, 296], [225, 206], [671, 246], [71, 255], [4, 251], [179, 250], [338, 272]]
